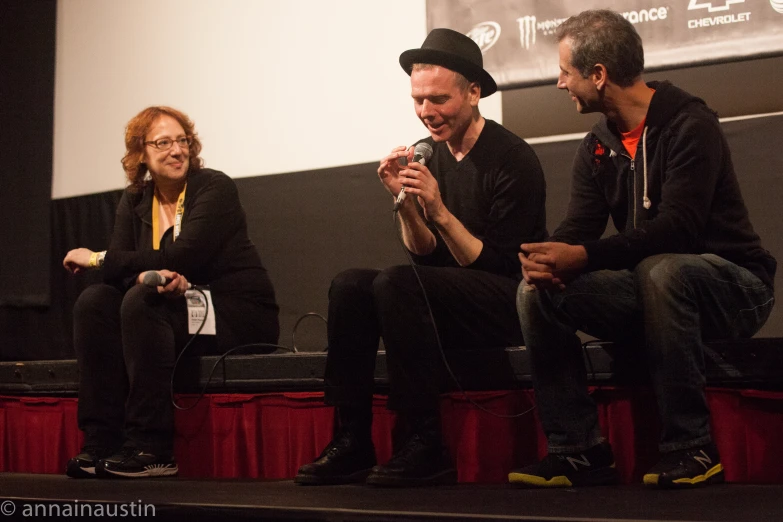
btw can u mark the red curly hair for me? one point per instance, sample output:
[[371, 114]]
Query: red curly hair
[[135, 134]]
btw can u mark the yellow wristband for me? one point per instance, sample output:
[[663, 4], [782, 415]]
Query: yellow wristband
[[96, 259]]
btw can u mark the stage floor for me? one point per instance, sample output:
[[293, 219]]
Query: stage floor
[[197, 500]]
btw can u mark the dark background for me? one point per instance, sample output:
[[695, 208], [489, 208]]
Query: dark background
[[27, 44]]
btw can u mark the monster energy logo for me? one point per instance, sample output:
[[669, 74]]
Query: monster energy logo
[[527, 31], [529, 27]]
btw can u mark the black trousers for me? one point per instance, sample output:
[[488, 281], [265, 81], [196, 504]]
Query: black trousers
[[126, 345], [472, 309]]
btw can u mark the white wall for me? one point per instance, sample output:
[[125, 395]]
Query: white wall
[[273, 86]]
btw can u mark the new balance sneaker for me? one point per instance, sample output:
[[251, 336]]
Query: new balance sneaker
[[83, 465], [687, 468], [422, 461], [592, 467], [344, 461], [134, 463]]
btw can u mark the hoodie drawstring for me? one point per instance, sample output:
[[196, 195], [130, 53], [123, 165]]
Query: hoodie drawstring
[[646, 201]]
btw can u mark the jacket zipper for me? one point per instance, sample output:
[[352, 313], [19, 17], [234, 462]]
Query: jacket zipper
[[633, 173]]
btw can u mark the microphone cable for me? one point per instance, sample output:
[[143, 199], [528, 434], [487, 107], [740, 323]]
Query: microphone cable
[[224, 355], [454, 378]]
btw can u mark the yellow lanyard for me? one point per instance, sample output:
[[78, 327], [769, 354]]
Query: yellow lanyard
[[177, 218]]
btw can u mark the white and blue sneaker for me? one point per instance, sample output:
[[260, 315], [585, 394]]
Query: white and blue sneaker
[[132, 462]]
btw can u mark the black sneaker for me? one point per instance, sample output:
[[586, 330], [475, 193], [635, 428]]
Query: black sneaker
[[592, 467], [687, 469], [83, 465], [134, 463], [420, 462], [344, 461]]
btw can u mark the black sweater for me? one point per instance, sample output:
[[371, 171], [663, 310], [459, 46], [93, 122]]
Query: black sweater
[[213, 247], [497, 191], [695, 205]]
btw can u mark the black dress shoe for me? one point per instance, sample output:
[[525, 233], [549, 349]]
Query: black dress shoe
[[422, 461], [344, 461], [83, 465]]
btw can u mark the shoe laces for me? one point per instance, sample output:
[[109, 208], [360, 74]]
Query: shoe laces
[[559, 463], [412, 446], [553, 463], [128, 453], [682, 457], [342, 440]]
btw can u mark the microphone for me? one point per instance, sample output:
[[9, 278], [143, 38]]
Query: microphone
[[421, 154], [152, 278]]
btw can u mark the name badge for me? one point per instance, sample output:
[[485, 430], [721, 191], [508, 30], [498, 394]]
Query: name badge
[[198, 309]]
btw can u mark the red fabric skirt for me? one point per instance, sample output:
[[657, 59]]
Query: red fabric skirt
[[269, 435]]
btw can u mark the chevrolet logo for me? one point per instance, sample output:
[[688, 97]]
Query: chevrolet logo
[[712, 9]]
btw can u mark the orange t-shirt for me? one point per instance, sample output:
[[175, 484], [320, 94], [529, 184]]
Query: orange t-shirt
[[631, 138]]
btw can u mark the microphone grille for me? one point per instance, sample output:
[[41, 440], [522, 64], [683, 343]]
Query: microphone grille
[[423, 150], [152, 278]]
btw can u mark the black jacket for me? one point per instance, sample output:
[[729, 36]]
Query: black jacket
[[213, 247], [682, 170]]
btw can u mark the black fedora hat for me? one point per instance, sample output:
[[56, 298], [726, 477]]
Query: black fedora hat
[[454, 51]]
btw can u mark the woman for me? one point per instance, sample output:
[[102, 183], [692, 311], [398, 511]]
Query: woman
[[186, 223]]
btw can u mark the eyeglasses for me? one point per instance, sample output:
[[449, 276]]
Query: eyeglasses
[[166, 143]]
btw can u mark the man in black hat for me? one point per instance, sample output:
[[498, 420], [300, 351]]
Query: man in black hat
[[467, 210]]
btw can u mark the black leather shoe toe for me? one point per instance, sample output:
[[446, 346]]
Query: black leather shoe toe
[[345, 460], [418, 463]]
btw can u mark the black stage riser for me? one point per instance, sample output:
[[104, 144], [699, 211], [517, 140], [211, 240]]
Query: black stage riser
[[754, 363]]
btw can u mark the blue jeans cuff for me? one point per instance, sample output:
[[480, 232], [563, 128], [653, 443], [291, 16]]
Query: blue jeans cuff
[[677, 446], [574, 448]]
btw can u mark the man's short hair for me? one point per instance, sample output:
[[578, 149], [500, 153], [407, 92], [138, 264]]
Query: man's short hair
[[462, 82], [605, 37]]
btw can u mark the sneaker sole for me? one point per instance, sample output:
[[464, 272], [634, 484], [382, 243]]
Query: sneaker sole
[[443, 478], [317, 480], [147, 473], [598, 477], [714, 475]]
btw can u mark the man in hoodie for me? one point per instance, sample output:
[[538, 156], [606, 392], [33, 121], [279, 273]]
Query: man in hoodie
[[684, 267]]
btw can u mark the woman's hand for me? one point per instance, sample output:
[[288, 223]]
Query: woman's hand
[[77, 260], [176, 286]]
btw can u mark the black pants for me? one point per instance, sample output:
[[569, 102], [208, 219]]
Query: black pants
[[126, 345], [472, 309]]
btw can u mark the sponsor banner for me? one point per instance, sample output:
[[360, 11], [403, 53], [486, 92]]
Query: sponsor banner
[[520, 48]]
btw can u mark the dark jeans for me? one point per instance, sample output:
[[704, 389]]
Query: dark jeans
[[472, 309], [126, 345], [669, 304]]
